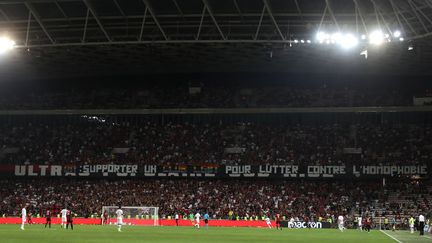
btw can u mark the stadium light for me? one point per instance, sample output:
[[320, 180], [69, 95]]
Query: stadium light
[[321, 36], [6, 44], [376, 37], [397, 34], [363, 37], [336, 37], [348, 41], [401, 39]]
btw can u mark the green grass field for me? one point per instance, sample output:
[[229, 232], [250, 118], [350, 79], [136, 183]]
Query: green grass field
[[107, 234]]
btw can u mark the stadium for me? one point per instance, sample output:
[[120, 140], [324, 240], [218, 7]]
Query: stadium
[[216, 121]]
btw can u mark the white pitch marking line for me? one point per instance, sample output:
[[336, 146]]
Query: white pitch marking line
[[391, 236], [425, 236]]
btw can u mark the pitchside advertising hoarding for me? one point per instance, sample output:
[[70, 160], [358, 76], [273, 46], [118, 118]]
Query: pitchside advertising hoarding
[[305, 225], [214, 171]]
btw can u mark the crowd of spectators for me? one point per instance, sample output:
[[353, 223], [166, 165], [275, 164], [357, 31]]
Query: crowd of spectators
[[100, 142], [227, 199], [204, 97]]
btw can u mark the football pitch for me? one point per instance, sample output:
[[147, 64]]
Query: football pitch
[[107, 234]]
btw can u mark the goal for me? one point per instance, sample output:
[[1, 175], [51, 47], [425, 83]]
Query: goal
[[147, 216]]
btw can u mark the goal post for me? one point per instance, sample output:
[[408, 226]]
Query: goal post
[[133, 215]]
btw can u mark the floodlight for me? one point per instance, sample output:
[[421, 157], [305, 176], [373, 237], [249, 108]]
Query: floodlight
[[397, 34], [309, 41], [363, 37], [6, 44], [302, 41], [376, 37], [336, 37], [296, 41], [321, 36], [401, 39], [348, 41]]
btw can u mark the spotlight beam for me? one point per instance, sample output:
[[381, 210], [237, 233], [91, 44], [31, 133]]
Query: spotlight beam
[[361, 16], [332, 14], [379, 12]]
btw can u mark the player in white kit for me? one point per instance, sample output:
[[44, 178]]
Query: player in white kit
[[268, 221], [341, 223], [291, 223], [23, 216], [360, 223], [197, 220], [63, 217], [119, 214]]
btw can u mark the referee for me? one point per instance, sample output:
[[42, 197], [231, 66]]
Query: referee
[[421, 224]]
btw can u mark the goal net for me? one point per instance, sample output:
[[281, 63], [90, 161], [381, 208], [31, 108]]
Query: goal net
[[132, 215]]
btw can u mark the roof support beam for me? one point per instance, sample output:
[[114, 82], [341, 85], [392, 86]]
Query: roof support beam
[[61, 9], [421, 12], [152, 13], [361, 16], [396, 14], [90, 7], [143, 23], [38, 19], [418, 17], [85, 25], [424, 15], [4, 15], [298, 9], [269, 11], [119, 8], [260, 22], [322, 18], [209, 10], [178, 8], [201, 22], [158, 42], [238, 8], [397, 11], [28, 28], [378, 11], [329, 8]]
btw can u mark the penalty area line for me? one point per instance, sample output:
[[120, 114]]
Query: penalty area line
[[391, 236]]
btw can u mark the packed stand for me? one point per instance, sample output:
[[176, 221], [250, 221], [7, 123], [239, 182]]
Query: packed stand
[[228, 199], [202, 97], [102, 142]]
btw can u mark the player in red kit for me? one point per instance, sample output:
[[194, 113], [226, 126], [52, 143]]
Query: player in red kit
[[105, 218], [48, 218], [278, 222], [29, 218], [69, 219]]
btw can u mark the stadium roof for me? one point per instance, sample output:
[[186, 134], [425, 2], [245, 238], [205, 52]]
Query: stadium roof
[[78, 36]]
